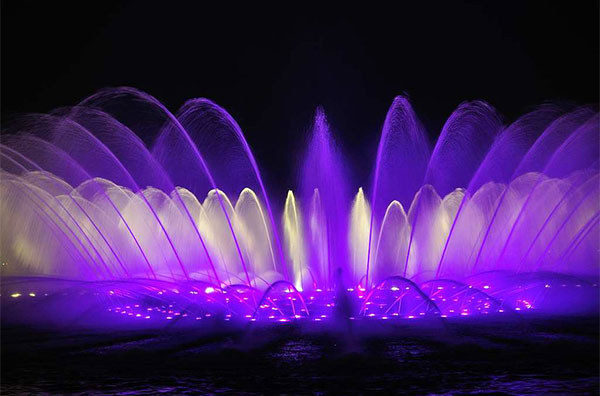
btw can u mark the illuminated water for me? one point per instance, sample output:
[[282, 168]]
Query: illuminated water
[[102, 229]]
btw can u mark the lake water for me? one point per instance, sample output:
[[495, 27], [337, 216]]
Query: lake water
[[533, 355]]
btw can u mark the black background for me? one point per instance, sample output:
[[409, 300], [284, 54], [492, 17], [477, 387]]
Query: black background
[[271, 65]]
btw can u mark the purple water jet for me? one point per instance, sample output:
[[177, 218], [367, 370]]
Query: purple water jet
[[101, 228]]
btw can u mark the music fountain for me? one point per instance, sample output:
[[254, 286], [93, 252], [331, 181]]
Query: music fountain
[[118, 214]]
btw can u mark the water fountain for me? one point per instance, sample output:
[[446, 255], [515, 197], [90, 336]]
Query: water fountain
[[101, 228]]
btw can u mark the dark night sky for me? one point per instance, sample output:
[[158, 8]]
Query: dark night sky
[[270, 67]]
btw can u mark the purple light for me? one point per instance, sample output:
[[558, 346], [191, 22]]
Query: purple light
[[490, 216]]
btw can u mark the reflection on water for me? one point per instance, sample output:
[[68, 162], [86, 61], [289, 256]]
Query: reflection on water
[[537, 356]]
